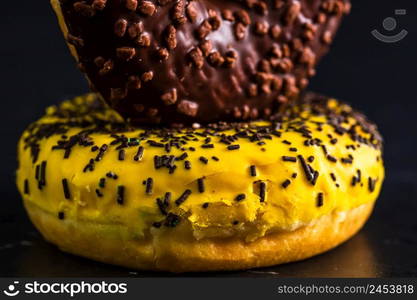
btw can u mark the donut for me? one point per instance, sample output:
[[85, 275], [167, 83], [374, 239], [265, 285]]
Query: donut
[[224, 196], [182, 61]]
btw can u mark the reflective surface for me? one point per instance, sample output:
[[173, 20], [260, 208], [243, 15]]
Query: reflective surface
[[386, 247]]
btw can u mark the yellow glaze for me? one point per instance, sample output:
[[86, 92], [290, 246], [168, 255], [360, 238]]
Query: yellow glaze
[[284, 209]]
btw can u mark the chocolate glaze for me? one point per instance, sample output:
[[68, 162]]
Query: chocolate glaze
[[150, 61]]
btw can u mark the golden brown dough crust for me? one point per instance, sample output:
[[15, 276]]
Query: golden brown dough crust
[[179, 252]]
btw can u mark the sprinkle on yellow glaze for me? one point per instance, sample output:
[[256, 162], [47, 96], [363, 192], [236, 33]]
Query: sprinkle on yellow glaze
[[247, 180]]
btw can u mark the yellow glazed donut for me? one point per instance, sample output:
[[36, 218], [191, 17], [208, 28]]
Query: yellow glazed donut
[[214, 197]]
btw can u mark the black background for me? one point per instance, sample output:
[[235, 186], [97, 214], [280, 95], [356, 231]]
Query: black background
[[380, 79]]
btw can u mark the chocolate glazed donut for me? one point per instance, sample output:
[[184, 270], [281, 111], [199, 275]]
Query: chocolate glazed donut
[[180, 62]]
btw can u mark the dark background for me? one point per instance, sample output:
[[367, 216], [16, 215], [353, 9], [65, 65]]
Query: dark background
[[380, 79]]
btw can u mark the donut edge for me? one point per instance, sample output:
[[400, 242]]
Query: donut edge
[[56, 6], [175, 250]]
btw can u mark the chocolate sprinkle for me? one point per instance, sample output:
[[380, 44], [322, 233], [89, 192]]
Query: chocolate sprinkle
[[162, 206], [307, 172], [98, 193], [233, 147], [61, 215], [111, 175], [155, 144], [347, 160], [26, 187], [139, 155], [320, 200], [182, 156], [289, 158], [371, 184], [187, 165], [331, 158], [120, 194], [252, 171], [101, 152], [183, 197], [240, 197], [203, 159], [149, 186], [102, 183], [172, 220], [286, 183], [42, 175], [122, 154], [201, 186], [37, 172], [262, 191], [67, 194], [157, 224]]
